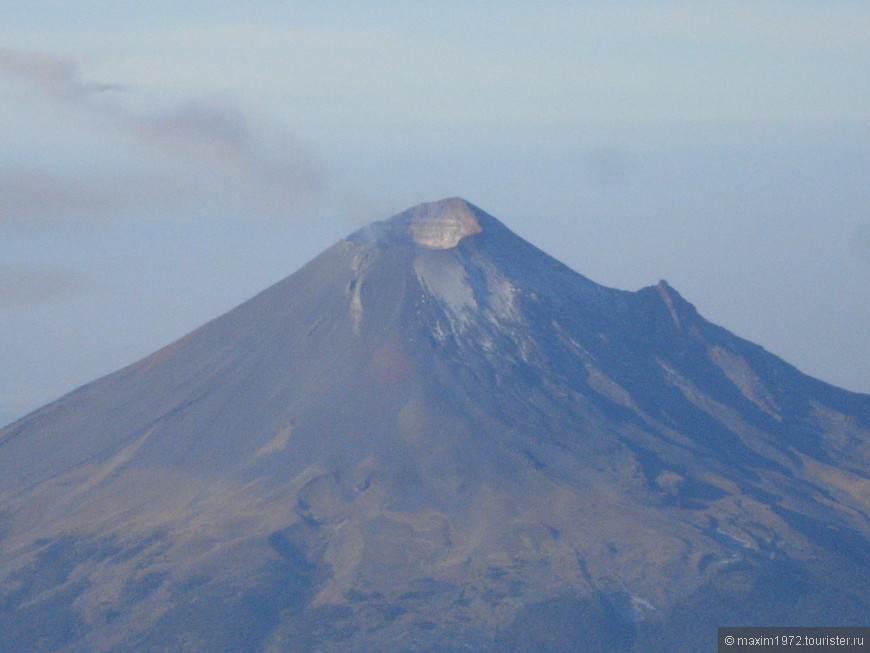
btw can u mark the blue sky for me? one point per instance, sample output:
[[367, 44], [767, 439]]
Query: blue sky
[[163, 162]]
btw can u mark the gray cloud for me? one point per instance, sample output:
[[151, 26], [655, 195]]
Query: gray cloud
[[24, 284], [204, 150], [221, 137]]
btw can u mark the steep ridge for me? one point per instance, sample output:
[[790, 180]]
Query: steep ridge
[[434, 436]]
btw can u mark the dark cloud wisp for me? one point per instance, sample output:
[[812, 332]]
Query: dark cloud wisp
[[55, 77], [204, 151]]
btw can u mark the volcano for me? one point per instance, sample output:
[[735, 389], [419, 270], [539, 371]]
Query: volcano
[[436, 437]]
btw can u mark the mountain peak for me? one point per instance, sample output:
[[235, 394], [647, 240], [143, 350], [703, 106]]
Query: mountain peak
[[435, 436]]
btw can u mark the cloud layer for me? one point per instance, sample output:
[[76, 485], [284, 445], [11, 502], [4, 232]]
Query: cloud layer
[[204, 150]]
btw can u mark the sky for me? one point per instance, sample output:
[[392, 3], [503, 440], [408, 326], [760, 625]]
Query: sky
[[160, 163]]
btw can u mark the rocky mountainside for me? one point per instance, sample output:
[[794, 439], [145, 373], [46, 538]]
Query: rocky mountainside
[[435, 437]]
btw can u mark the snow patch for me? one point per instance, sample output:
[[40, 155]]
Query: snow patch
[[356, 307], [444, 277], [665, 292], [728, 537], [278, 443], [740, 373], [501, 297], [641, 609]]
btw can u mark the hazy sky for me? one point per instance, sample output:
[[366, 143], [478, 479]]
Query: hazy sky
[[163, 161]]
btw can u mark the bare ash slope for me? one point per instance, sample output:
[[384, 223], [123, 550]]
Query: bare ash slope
[[436, 437]]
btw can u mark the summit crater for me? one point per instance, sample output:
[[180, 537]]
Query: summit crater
[[431, 225], [442, 224]]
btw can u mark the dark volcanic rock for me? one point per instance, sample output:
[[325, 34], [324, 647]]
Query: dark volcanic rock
[[435, 437]]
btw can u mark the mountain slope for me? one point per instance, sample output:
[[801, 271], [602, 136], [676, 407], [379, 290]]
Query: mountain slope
[[435, 436]]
